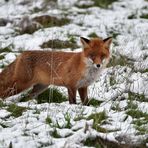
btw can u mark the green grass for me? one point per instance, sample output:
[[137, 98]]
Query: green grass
[[90, 142], [112, 80], [113, 34], [93, 35], [3, 125], [140, 122], [2, 57], [80, 116], [55, 134], [98, 119], [103, 3], [144, 71], [25, 98], [2, 104], [132, 16], [142, 130], [120, 60], [7, 49], [67, 124], [68, 120], [137, 97], [50, 21], [51, 95], [115, 106], [15, 110], [94, 102], [48, 120], [59, 44], [131, 105], [99, 142], [98, 3], [135, 113], [43, 21], [144, 16]]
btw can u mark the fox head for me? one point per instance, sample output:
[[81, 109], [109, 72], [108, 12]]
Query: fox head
[[96, 51]]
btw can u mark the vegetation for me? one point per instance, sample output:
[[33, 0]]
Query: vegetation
[[144, 16], [120, 60], [98, 119], [2, 104], [68, 120], [99, 142], [92, 35], [59, 44], [137, 97], [48, 120], [94, 102], [2, 57], [51, 95], [50, 21], [15, 110], [7, 48], [135, 113], [112, 80], [103, 3], [55, 134], [98, 3], [91, 142]]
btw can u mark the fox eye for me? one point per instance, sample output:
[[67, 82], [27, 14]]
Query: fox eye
[[92, 56], [102, 57]]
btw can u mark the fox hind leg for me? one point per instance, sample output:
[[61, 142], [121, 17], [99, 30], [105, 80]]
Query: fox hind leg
[[37, 90], [72, 95]]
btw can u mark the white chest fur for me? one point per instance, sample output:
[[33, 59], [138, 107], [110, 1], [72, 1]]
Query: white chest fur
[[90, 74]]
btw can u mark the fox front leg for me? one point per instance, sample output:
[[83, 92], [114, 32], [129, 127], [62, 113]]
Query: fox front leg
[[83, 95]]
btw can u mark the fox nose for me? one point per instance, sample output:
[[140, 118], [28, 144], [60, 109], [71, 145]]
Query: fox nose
[[98, 65]]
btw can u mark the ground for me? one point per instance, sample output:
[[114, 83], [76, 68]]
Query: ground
[[118, 111]]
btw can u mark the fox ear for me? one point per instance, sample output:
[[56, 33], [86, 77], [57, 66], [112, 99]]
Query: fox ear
[[107, 42], [85, 42]]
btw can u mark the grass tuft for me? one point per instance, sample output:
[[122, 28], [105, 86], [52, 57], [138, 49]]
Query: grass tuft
[[93, 35], [98, 119], [68, 120], [50, 21], [121, 60], [59, 44], [144, 16], [137, 113], [95, 102], [98, 3], [103, 3], [2, 57], [55, 134], [2, 104], [48, 120], [15, 110], [90, 142], [51, 95], [137, 97], [7, 49]]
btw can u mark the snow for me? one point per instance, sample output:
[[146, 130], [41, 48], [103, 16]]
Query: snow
[[4, 113], [30, 130]]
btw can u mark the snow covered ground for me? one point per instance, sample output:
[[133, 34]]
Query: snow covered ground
[[121, 114]]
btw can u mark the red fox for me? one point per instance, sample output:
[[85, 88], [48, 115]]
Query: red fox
[[74, 70]]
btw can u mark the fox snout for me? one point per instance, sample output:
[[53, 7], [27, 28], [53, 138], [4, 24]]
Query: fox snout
[[92, 63], [97, 63]]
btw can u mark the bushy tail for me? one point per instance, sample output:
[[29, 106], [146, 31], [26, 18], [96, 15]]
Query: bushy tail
[[7, 85]]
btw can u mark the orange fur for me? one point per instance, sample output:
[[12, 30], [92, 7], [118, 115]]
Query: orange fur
[[69, 69]]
